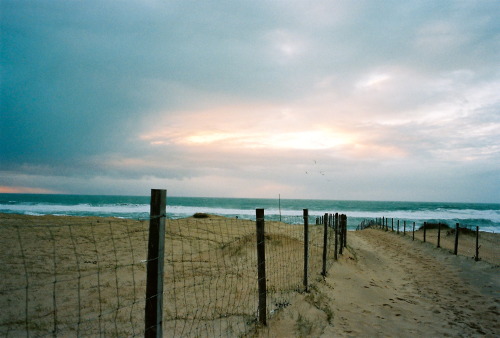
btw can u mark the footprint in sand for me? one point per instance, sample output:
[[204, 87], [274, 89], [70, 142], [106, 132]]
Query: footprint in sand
[[407, 301]]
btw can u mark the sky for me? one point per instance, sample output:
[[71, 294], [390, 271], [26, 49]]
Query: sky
[[344, 100]]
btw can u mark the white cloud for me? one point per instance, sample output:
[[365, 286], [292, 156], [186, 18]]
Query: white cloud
[[373, 80]]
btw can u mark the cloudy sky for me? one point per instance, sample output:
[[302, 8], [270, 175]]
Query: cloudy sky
[[366, 100]]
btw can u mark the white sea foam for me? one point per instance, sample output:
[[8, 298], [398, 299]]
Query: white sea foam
[[487, 219], [449, 214], [443, 214], [44, 209]]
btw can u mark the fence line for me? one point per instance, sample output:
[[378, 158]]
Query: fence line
[[458, 240], [70, 276], [216, 284]]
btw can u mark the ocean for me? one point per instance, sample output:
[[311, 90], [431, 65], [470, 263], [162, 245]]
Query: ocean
[[486, 216]]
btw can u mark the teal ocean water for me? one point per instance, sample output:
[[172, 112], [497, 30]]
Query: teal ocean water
[[486, 216]]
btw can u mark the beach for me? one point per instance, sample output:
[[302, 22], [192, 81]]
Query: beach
[[86, 275], [386, 285]]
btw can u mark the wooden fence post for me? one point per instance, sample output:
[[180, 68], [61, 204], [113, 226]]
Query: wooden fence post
[[457, 230], [341, 234], [325, 242], [261, 264], [392, 224], [345, 231], [305, 213], [154, 277], [425, 229], [413, 237], [336, 235], [477, 244], [439, 235], [398, 228], [404, 228]]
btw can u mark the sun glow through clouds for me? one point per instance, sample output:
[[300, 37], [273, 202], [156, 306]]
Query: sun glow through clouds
[[306, 140]]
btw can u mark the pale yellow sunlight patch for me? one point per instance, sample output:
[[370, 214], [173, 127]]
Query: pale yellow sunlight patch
[[209, 137], [314, 139], [231, 127], [308, 140]]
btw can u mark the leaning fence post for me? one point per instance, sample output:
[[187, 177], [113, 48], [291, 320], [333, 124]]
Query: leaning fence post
[[306, 247], [477, 244], [154, 281], [325, 242], [341, 234], [261, 265], [457, 228]]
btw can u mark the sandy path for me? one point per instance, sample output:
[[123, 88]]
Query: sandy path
[[387, 285]]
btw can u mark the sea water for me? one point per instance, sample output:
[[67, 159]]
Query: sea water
[[486, 216]]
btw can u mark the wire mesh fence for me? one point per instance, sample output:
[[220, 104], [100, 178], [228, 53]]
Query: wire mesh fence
[[211, 285], [442, 235], [210, 277], [65, 277], [70, 276]]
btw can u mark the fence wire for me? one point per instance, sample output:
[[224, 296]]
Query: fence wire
[[466, 239], [284, 261], [70, 276], [65, 276], [210, 286]]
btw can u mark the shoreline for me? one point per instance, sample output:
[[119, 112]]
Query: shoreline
[[352, 221]]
